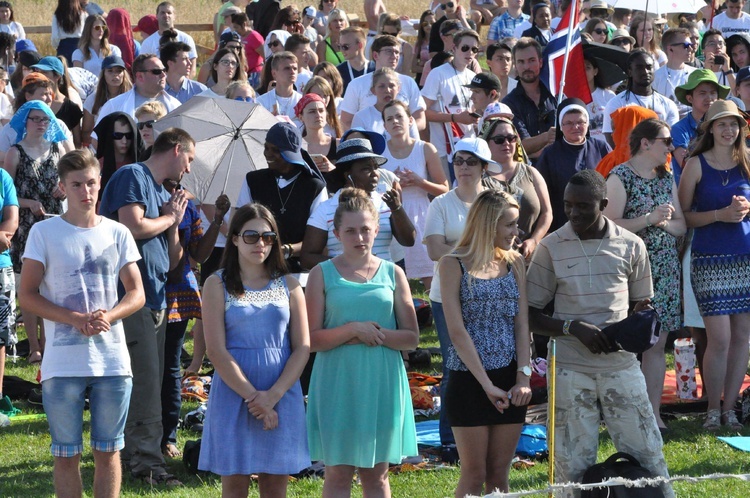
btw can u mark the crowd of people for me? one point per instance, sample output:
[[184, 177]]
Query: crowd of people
[[524, 214]]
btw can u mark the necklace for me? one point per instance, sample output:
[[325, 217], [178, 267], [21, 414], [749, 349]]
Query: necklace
[[367, 275], [641, 103], [283, 111], [590, 258], [724, 180], [283, 202]]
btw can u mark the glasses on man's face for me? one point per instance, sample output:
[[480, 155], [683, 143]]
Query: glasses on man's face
[[466, 48], [118, 135], [346, 46], [686, 45], [274, 44], [715, 43], [667, 140], [501, 139], [251, 237], [146, 124], [390, 51], [472, 161], [156, 71], [228, 62], [600, 31], [244, 99], [39, 119]]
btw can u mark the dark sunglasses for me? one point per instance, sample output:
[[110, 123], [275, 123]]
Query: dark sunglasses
[[501, 139], [39, 119], [245, 99], [466, 48], [667, 140], [448, 5], [686, 45], [146, 124], [600, 31], [118, 135], [620, 41], [253, 236], [274, 43], [345, 46], [471, 162], [155, 72]]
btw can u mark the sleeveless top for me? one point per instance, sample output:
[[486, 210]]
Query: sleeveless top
[[521, 187], [488, 308], [715, 191], [332, 55]]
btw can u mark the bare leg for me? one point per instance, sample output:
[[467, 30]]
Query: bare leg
[[235, 486], [199, 347], [338, 481], [654, 367], [737, 360], [272, 485], [35, 335], [715, 361], [472, 444], [427, 282], [500, 452], [375, 482], [107, 474], [67, 477]]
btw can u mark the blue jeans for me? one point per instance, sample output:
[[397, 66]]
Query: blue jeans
[[446, 433], [171, 397], [64, 398]]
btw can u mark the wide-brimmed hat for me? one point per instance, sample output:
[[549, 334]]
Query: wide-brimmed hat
[[599, 4], [722, 109], [477, 147], [621, 33], [357, 148], [696, 78], [377, 140]]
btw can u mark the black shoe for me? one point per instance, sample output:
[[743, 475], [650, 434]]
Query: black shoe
[[449, 454], [35, 396]]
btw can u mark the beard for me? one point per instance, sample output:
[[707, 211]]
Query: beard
[[528, 77]]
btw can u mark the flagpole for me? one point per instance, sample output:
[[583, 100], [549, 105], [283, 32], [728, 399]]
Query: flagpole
[[568, 42]]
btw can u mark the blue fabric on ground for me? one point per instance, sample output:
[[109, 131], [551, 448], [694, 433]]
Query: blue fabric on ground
[[428, 433], [739, 442]]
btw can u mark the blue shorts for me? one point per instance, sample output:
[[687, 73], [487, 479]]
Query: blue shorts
[[64, 398]]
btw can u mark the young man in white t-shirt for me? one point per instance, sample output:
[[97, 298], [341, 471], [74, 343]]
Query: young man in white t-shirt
[[281, 99], [72, 267], [679, 48], [449, 108], [732, 20]]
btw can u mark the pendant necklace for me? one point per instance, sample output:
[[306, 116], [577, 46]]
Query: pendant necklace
[[283, 202], [588, 259]]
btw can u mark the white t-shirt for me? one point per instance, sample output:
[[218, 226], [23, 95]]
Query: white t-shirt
[[444, 86], [81, 273], [322, 218], [600, 97], [661, 105], [151, 44], [371, 119], [358, 94], [94, 64], [446, 216], [665, 82], [729, 27], [285, 104]]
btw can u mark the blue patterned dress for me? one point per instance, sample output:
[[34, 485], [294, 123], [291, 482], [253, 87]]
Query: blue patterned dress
[[234, 442]]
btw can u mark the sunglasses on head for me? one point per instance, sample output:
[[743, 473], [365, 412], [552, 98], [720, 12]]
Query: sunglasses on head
[[274, 43], [253, 236], [155, 71], [466, 48], [118, 135], [146, 124], [501, 139]]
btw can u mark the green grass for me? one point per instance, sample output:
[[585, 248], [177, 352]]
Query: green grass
[[26, 464]]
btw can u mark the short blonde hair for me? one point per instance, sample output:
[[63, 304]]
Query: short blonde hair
[[153, 107]]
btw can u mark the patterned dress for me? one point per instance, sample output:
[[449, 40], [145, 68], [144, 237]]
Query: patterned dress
[[643, 196], [34, 180], [183, 293]]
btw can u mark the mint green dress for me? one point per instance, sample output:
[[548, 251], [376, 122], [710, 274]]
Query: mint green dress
[[359, 408]]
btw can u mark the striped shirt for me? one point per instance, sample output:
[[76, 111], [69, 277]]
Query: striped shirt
[[598, 292]]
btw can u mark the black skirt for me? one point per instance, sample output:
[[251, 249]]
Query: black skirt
[[467, 405]]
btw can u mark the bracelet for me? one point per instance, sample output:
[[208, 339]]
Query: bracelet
[[648, 223], [728, 73], [288, 251], [219, 223], [397, 209], [566, 327]]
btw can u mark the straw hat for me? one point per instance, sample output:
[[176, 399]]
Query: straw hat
[[722, 109]]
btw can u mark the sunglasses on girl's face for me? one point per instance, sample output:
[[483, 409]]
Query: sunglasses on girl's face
[[466, 48], [472, 161], [118, 135], [251, 237], [600, 31], [448, 5], [501, 139], [146, 124], [667, 140], [274, 43], [620, 42], [39, 119]]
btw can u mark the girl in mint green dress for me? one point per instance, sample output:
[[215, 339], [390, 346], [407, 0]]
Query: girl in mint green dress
[[359, 412]]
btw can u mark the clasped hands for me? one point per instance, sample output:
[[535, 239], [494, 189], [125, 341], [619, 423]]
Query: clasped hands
[[260, 405], [92, 323]]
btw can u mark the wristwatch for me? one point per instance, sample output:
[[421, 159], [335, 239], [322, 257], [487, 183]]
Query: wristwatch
[[526, 370]]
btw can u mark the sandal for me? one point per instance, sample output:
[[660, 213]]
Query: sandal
[[713, 420], [730, 420], [167, 480]]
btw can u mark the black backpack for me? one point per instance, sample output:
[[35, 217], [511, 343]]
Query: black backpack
[[619, 465]]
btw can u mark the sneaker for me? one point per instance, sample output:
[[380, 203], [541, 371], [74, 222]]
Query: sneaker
[[35, 396]]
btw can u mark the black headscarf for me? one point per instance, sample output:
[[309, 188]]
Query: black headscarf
[[106, 147], [565, 103]]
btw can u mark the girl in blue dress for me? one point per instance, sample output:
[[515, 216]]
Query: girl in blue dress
[[359, 412], [258, 340]]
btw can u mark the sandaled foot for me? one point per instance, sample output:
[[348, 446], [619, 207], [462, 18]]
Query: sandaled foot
[[713, 420], [34, 357], [730, 420], [171, 451]]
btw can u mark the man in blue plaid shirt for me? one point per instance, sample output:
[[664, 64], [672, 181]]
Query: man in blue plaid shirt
[[502, 26]]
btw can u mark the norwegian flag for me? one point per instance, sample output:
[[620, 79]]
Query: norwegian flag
[[556, 55]]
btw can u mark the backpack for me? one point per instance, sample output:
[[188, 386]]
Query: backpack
[[619, 465], [533, 441]]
